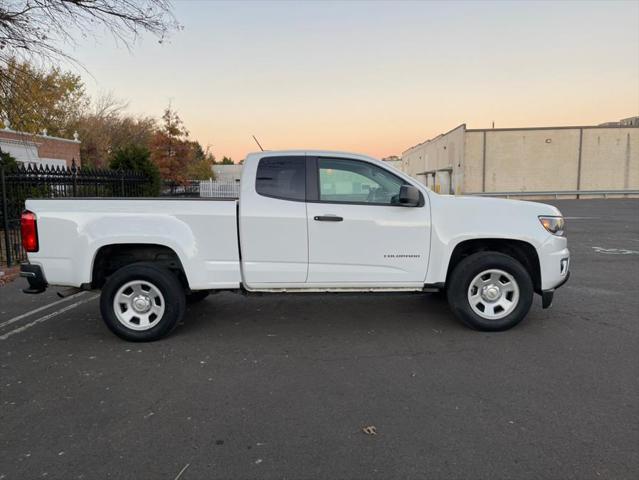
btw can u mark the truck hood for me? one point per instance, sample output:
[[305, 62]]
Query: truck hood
[[458, 218], [493, 206]]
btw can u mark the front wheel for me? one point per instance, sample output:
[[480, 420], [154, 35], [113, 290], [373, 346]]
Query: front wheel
[[490, 291], [142, 302]]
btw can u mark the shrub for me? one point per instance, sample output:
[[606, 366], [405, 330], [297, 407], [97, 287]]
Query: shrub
[[8, 161], [138, 159]]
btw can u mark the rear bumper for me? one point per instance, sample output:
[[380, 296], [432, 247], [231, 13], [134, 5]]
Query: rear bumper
[[35, 277]]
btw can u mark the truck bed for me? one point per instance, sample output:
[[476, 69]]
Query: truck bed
[[203, 233]]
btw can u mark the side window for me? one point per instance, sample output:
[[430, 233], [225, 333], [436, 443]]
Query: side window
[[282, 177], [352, 181]]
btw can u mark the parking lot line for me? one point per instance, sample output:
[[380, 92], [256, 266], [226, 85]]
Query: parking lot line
[[46, 317], [39, 309]]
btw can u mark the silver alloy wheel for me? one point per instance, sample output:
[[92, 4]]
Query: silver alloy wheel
[[493, 294], [138, 305]]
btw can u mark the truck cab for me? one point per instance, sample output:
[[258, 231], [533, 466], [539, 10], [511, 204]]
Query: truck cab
[[331, 221]]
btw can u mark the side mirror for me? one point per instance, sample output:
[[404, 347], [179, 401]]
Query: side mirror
[[409, 196]]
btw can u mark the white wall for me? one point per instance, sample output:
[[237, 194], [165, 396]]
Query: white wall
[[227, 173], [53, 162], [532, 159], [610, 158], [22, 151], [549, 159], [444, 151], [394, 163]]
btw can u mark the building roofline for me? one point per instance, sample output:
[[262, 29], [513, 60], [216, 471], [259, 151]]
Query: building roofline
[[569, 127], [21, 142], [435, 138], [27, 134], [514, 129]]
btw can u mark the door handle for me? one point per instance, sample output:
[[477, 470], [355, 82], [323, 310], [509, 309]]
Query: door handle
[[328, 218]]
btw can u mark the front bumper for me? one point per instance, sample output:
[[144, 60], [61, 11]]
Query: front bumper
[[554, 262], [35, 277], [547, 295]]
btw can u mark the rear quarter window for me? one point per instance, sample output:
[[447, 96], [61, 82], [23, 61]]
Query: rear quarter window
[[282, 177]]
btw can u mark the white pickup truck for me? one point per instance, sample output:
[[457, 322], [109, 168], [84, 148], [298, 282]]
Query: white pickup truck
[[306, 221]]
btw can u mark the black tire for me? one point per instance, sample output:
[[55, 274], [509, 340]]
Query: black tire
[[196, 296], [440, 294], [472, 266], [164, 281]]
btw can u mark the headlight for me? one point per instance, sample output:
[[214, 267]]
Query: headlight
[[555, 225]]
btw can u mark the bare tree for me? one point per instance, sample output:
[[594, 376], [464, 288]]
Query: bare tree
[[38, 29], [105, 127], [107, 105]]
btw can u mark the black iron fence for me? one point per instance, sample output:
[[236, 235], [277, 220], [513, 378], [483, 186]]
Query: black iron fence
[[19, 183]]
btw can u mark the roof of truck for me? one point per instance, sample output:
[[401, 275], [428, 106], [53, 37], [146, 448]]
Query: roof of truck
[[254, 156], [319, 153]]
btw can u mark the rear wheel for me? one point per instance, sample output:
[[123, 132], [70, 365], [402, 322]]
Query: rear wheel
[[490, 291], [142, 302]]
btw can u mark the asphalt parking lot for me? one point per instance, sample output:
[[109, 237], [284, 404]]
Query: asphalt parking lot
[[281, 386]]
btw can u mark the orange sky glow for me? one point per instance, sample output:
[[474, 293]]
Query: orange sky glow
[[377, 77]]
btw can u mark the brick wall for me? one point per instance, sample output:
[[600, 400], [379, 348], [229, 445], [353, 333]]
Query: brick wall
[[62, 149], [48, 147]]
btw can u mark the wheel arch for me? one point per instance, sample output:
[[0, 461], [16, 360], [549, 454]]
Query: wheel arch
[[109, 258], [522, 251]]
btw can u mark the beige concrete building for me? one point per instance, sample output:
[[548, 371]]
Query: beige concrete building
[[394, 161], [527, 159]]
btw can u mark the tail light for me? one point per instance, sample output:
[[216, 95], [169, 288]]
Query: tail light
[[29, 230]]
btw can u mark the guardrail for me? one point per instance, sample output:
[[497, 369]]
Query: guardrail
[[556, 194]]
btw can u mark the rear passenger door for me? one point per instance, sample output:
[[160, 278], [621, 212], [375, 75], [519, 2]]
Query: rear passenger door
[[273, 226]]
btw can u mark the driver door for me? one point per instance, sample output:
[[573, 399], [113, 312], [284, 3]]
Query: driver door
[[358, 233]]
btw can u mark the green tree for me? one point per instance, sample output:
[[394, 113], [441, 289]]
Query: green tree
[[227, 161], [8, 161], [198, 151], [200, 168], [138, 159], [171, 150], [56, 101], [36, 99]]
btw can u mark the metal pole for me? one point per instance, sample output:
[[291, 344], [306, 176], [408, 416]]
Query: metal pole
[[581, 140], [483, 169], [74, 172], [5, 214]]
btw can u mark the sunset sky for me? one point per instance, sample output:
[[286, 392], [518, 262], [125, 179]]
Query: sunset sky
[[375, 77]]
